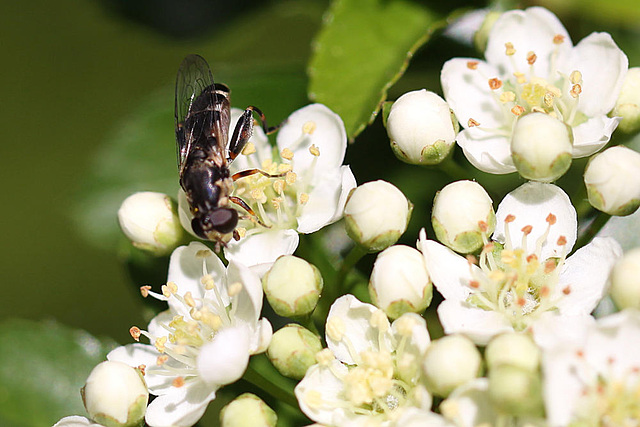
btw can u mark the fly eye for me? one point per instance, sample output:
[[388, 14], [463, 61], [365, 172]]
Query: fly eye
[[196, 225], [224, 220]]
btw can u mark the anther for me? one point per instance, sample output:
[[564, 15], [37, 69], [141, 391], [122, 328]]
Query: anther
[[575, 77], [188, 299], [548, 99], [162, 359], [576, 90], [509, 49], [527, 229], [309, 127], [203, 253], [566, 290], [549, 266], [471, 260], [142, 368], [521, 301], [276, 202], [532, 257], [144, 290], [241, 231], [544, 291], [520, 77], [234, 289], [207, 281], [278, 186], [135, 333], [474, 284], [472, 65], [472, 123], [558, 39], [286, 154], [517, 110], [303, 198], [178, 382], [562, 241], [507, 96], [510, 218], [160, 343], [483, 226], [531, 58], [314, 150], [291, 178], [551, 219], [495, 83], [249, 148]]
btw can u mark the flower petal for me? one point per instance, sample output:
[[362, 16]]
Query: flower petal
[[468, 93], [585, 276], [469, 405], [142, 354], [259, 251], [261, 339], [75, 421], [248, 302], [258, 139], [182, 408], [224, 359], [603, 67], [530, 30], [488, 151], [450, 272], [477, 324], [562, 387], [320, 384], [530, 204], [589, 137]]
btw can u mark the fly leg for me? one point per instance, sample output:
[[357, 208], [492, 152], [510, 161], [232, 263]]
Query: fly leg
[[244, 129], [248, 172], [251, 214]]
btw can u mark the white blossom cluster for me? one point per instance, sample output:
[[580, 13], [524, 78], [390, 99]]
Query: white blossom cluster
[[519, 344]]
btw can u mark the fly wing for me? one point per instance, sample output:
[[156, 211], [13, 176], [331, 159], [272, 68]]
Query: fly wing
[[194, 76]]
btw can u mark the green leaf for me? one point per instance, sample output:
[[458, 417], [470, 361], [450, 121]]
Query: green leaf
[[43, 365], [362, 49]]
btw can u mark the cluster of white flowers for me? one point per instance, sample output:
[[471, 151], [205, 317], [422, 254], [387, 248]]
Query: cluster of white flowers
[[520, 344]]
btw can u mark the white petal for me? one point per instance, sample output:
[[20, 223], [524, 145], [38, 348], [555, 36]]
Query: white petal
[[414, 417], [355, 316], [142, 354], [187, 266], [258, 139], [329, 136], [586, 273], [75, 421], [156, 325], [531, 203], [469, 405], [552, 331], [463, 29], [603, 67], [449, 271], [620, 335], [348, 184], [184, 213], [468, 94], [261, 339], [182, 408], [247, 303], [530, 30], [477, 324], [323, 202], [562, 387], [259, 251], [420, 338], [224, 359], [323, 381], [488, 151], [589, 137]]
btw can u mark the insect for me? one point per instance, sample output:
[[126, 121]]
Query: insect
[[204, 150]]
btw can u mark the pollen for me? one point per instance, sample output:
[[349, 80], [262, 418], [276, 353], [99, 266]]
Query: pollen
[[551, 219], [562, 241], [576, 90], [162, 359], [495, 83], [303, 198], [335, 329], [178, 382], [144, 290], [286, 154], [169, 289], [558, 39], [315, 151], [517, 110], [510, 218], [531, 58], [507, 96], [472, 65], [249, 149], [575, 77], [472, 123], [276, 202], [278, 186], [309, 127], [284, 168], [291, 178], [241, 231], [509, 49], [159, 344], [135, 333], [207, 282]]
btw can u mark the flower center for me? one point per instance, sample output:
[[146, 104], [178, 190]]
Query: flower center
[[278, 202], [517, 284]]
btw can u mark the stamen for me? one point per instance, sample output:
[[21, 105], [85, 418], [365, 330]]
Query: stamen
[[575, 77], [314, 150], [162, 359], [178, 382], [576, 90], [291, 178], [507, 96], [558, 39], [472, 65], [531, 58], [517, 110], [566, 290], [520, 77], [472, 123], [309, 127], [241, 231], [303, 198], [510, 50], [495, 83], [286, 154], [135, 333], [144, 290]]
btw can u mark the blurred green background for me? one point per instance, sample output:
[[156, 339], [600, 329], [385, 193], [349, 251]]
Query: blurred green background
[[82, 77]]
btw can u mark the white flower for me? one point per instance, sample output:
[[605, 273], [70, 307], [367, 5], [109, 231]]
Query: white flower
[[524, 273], [76, 421], [532, 66], [370, 372], [205, 338], [591, 371]]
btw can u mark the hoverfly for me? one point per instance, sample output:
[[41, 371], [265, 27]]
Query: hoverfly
[[202, 119]]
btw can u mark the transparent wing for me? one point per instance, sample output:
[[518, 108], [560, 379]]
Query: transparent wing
[[194, 76]]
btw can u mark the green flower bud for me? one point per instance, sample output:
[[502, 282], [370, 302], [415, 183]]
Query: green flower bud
[[247, 410], [293, 350], [376, 214], [541, 147], [612, 178], [115, 395], [292, 286], [628, 103], [625, 280], [462, 214], [150, 220], [422, 128], [399, 281], [516, 391], [449, 362], [515, 349]]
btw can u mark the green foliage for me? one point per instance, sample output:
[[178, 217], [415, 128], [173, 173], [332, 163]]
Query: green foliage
[[43, 365], [362, 49]]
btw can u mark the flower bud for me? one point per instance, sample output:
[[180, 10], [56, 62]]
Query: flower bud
[[450, 361], [247, 410], [376, 214], [462, 213], [541, 147], [515, 391], [292, 286], [515, 349], [628, 103], [481, 37], [613, 181], [625, 280], [150, 221], [421, 127], [76, 421], [399, 281], [293, 350], [115, 395]]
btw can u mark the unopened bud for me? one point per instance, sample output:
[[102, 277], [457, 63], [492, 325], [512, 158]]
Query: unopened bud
[[482, 35], [613, 181], [450, 361], [293, 350], [625, 281], [515, 391], [376, 214], [421, 127], [247, 410], [541, 147], [628, 103], [515, 349], [292, 286], [150, 220], [115, 395], [399, 281], [462, 213]]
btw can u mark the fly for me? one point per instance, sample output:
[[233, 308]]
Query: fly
[[204, 150]]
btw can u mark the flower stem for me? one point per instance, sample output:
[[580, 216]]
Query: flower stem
[[262, 374], [453, 170]]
